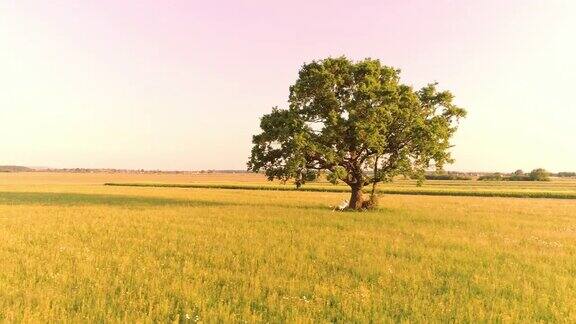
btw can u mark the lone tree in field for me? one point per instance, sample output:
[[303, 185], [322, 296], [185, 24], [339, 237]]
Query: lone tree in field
[[356, 121]]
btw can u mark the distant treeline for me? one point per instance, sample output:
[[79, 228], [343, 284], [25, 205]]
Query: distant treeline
[[141, 171], [13, 168], [448, 176], [519, 175]]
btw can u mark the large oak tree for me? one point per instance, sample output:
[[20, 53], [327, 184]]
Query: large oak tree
[[357, 122]]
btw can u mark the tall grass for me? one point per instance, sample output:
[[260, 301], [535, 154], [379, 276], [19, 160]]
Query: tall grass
[[92, 253]]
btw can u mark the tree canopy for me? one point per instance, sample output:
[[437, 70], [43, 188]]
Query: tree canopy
[[358, 122], [539, 175]]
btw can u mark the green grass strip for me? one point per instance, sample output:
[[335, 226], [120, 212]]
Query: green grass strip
[[417, 191]]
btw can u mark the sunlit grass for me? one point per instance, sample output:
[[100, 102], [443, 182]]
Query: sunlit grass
[[86, 252]]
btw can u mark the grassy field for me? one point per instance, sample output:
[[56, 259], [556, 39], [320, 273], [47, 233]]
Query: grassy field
[[75, 250], [558, 188], [507, 192]]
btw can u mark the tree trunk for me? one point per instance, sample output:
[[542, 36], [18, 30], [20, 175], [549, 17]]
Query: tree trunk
[[356, 198]]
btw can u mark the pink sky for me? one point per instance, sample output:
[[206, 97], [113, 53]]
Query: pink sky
[[181, 84]]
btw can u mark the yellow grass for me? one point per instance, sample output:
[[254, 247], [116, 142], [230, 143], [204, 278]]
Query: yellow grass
[[74, 250]]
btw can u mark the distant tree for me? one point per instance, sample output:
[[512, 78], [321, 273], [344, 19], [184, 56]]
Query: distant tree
[[356, 121], [518, 175], [539, 175]]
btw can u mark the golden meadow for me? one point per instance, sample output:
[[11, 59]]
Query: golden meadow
[[74, 250]]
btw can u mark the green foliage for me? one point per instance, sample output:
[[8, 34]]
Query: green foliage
[[447, 176], [539, 175], [336, 174], [356, 117], [305, 175], [519, 175], [566, 174]]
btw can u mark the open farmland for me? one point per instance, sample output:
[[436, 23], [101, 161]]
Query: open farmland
[[73, 249], [558, 188]]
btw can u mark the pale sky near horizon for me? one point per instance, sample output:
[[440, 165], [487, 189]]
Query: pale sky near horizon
[[182, 84]]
